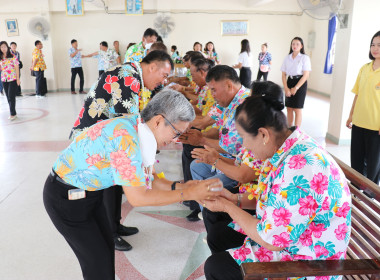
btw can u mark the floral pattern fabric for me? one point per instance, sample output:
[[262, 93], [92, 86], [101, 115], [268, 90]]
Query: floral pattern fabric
[[109, 58], [8, 69], [212, 55], [115, 93], [304, 206], [205, 100], [75, 61], [106, 154], [40, 65], [229, 139], [135, 53]]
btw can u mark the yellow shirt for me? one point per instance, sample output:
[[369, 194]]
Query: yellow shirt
[[367, 108], [40, 65]]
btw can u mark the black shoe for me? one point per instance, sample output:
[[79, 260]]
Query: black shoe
[[121, 244], [187, 203], [82, 92], [193, 216], [125, 231]]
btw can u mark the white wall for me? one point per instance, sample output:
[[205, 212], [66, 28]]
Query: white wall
[[276, 23]]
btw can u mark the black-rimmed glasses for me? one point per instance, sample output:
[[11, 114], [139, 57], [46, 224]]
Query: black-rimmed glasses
[[177, 132]]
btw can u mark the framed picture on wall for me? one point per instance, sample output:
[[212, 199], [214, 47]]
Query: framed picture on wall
[[12, 27], [234, 27], [134, 7], [74, 8]]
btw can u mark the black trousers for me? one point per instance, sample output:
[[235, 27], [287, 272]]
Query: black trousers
[[245, 76], [220, 237], [187, 159], [365, 152], [101, 72], [39, 76], [112, 198], [11, 89], [74, 72], [84, 225], [262, 74]]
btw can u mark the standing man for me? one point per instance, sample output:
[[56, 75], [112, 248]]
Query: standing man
[[114, 94], [76, 66], [39, 67], [137, 52], [107, 58]]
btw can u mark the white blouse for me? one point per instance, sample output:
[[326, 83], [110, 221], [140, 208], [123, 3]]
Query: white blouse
[[296, 66], [244, 59]]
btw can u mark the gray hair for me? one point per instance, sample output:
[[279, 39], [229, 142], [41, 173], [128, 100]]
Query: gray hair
[[170, 103]]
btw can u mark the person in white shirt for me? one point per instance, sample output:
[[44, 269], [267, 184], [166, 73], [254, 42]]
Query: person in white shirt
[[107, 58], [297, 67], [244, 64]]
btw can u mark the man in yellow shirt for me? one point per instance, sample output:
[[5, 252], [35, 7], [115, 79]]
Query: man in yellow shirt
[[38, 66]]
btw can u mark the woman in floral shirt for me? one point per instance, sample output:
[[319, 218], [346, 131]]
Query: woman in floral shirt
[[303, 203], [211, 53], [10, 77]]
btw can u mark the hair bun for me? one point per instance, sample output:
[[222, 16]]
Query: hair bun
[[270, 93], [275, 103]]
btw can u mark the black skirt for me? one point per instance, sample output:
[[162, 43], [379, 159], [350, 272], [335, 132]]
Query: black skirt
[[296, 101], [245, 76]]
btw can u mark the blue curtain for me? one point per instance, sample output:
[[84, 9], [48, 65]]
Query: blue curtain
[[332, 30]]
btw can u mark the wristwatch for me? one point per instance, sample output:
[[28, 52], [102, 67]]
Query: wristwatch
[[173, 185]]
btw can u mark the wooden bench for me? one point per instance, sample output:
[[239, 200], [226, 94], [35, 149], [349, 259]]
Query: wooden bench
[[363, 254]]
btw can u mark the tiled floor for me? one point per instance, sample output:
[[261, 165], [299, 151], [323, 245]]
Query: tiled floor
[[167, 246]]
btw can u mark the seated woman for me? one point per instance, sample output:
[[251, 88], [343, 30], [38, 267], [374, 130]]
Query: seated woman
[[303, 206]]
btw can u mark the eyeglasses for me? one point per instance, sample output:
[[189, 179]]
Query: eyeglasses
[[177, 132]]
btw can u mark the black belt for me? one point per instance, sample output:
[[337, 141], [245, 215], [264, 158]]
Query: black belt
[[295, 77], [59, 179]]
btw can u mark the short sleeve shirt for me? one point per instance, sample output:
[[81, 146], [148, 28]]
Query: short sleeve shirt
[[229, 138], [264, 58], [244, 59], [75, 61], [304, 206], [115, 93], [296, 66], [100, 62], [106, 154], [8, 69], [109, 58], [37, 55], [135, 53], [213, 56], [205, 100], [367, 108]]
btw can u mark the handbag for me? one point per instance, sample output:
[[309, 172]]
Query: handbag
[[20, 65], [32, 73], [264, 68]]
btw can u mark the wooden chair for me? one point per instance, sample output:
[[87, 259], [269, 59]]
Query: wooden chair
[[363, 254]]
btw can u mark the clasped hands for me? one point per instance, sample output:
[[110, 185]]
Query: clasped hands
[[192, 137]]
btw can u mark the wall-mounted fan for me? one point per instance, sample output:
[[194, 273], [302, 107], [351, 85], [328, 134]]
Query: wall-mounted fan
[[320, 9], [40, 27], [164, 24]]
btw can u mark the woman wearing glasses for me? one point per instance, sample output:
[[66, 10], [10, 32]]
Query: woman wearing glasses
[[117, 151]]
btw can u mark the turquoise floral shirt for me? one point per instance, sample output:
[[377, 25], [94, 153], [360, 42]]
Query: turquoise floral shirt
[[303, 206], [135, 53], [104, 155]]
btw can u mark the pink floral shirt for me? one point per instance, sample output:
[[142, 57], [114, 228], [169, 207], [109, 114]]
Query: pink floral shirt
[[8, 69], [304, 208]]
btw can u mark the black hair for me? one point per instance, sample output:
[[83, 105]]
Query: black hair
[[377, 34], [130, 45], [13, 43], [262, 109], [159, 39], [188, 55], [245, 46], [222, 72], [158, 56], [265, 44], [194, 56], [174, 47], [8, 54], [213, 47], [298, 39], [104, 44], [203, 64], [196, 43], [150, 32], [73, 41], [37, 42], [158, 46]]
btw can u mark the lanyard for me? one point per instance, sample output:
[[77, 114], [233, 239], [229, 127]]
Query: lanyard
[[262, 57]]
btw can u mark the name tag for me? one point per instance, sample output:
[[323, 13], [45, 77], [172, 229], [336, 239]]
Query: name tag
[[76, 194]]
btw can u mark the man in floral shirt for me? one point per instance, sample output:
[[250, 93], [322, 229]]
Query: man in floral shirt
[[137, 52], [228, 93], [76, 66], [114, 94], [107, 58], [38, 66]]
